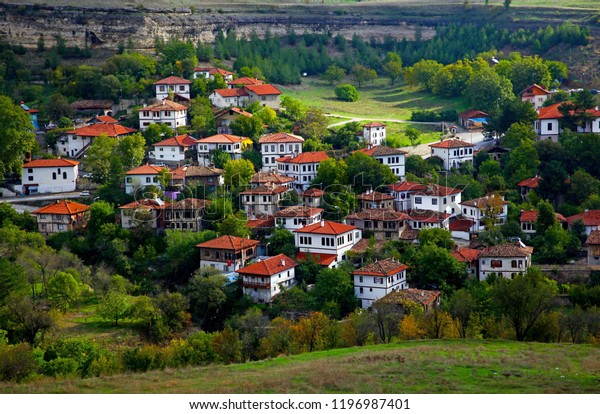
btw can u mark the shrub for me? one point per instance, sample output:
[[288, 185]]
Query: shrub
[[16, 362], [106, 364], [201, 343], [82, 351], [346, 92], [60, 367], [143, 359]]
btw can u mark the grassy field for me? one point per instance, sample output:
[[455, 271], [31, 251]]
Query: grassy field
[[405, 367]]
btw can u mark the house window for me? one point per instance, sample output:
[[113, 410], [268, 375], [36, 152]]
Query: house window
[[54, 176], [30, 178], [434, 201], [496, 263], [30, 170], [418, 200], [549, 126], [148, 180]]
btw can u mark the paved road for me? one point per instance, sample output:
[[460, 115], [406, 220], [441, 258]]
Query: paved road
[[41, 197]]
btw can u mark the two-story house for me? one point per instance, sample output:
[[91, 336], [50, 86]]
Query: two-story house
[[375, 199], [505, 260], [226, 98], [435, 197], [374, 133], [226, 117], [75, 142], [167, 112], [61, 216], [49, 176], [263, 199], [327, 239], [209, 178], [491, 210], [172, 150], [453, 152], [266, 278], [535, 95], [422, 219], [265, 94], [392, 157], [146, 212], [402, 193], [296, 217], [185, 214], [172, 84], [142, 176], [589, 218], [210, 72], [231, 144], [303, 167], [313, 197], [548, 125], [529, 218], [470, 257], [264, 178], [376, 280], [279, 145], [227, 253], [385, 224]]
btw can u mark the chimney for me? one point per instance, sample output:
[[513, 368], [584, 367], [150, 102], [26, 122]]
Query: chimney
[[283, 262], [322, 223]]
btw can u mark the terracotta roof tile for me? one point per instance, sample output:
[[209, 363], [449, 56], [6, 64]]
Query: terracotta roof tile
[[298, 211], [374, 124], [460, 223], [264, 222], [409, 234], [266, 89], [381, 151], [245, 81], [95, 130], [378, 214], [202, 171], [363, 245], [229, 93], [466, 254], [221, 139], [228, 243], [106, 119], [386, 267], [146, 203], [214, 71], [173, 80], [375, 196], [49, 163], [269, 267], [178, 141], [145, 170], [452, 143], [530, 182], [438, 190], [306, 158], [427, 216], [407, 186], [589, 218], [326, 227], [323, 259], [233, 109], [593, 238], [533, 90], [313, 192], [505, 250], [165, 105], [189, 204], [62, 207], [270, 177], [472, 113], [280, 137]]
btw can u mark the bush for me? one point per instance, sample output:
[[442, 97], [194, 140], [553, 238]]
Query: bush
[[105, 365], [16, 362], [143, 359], [346, 92], [60, 367], [432, 116]]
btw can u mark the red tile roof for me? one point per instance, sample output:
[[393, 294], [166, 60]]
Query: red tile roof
[[306, 157], [266, 189], [178, 141], [228, 243], [326, 227], [269, 267], [530, 182], [506, 250], [49, 163], [374, 124], [427, 216], [62, 207], [265, 89], [146, 203], [221, 139], [386, 267], [466, 254], [375, 196], [245, 81], [589, 218], [270, 177], [553, 112], [234, 109], [265, 222], [323, 259], [472, 113], [452, 143], [280, 137], [407, 186], [381, 150], [533, 90], [229, 93], [530, 216], [172, 80], [378, 214], [593, 238], [189, 204], [106, 119], [145, 170], [312, 192], [95, 130], [483, 202], [460, 223], [438, 190], [298, 211], [214, 71], [165, 105]]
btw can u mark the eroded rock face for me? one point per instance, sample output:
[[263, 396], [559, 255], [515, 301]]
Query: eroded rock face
[[102, 27]]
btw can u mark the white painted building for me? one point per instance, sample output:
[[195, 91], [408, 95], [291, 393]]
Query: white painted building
[[263, 199], [264, 279], [327, 238], [295, 217], [438, 198], [172, 84], [453, 152], [376, 280], [172, 150], [170, 113], [279, 145], [210, 72], [226, 98], [402, 193], [265, 94], [535, 95], [49, 176], [231, 144], [75, 142], [505, 260], [589, 218], [374, 133], [227, 253], [481, 210], [392, 157], [424, 219], [140, 177], [303, 168]]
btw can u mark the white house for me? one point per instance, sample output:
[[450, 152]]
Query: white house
[[481, 210], [438, 198], [172, 150], [210, 72], [374, 133], [231, 144], [265, 178], [147, 212], [279, 145], [140, 177], [535, 95], [453, 152], [392, 157], [422, 219], [313, 197], [528, 220], [227, 253], [263, 199], [375, 199], [265, 94], [49, 176], [376, 280], [167, 112], [327, 238], [226, 98], [303, 167], [589, 218], [75, 142], [266, 278], [505, 260], [172, 84], [402, 193], [548, 125], [295, 217]]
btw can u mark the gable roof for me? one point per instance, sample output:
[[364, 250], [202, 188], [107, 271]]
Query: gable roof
[[145, 170], [312, 192], [437, 190], [261, 222], [530, 216], [49, 163], [374, 124], [202, 171], [229, 243], [386, 267], [269, 267], [460, 223], [172, 80], [245, 81], [280, 137], [266, 189], [306, 157], [363, 244], [189, 204], [420, 296], [506, 250], [270, 177], [326, 227], [233, 109], [452, 143], [374, 196], [530, 182], [95, 130], [266, 89], [466, 254], [177, 141], [533, 90], [589, 218], [105, 119], [298, 211], [221, 139], [593, 238], [472, 113], [214, 71], [483, 202], [63, 207], [381, 150], [378, 214], [324, 259], [165, 105], [231, 92], [553, 111], [147, 204], [407, 186]]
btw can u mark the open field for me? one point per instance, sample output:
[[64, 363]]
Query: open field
[[405, 367]]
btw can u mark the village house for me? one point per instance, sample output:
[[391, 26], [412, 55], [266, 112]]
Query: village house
[[527, 185], [230, 144], [470, 257], [453, 152], [593, 248], [461, 227], [185, 214], [435, 197], [548, 125], [266, 278], [374, 133], [264, 178], [210, 72], [375, 199], [243, 81], [472, 119], [303, 167], [384, 223], [378, 279], [313, 197], [172, 150], [491, 210], [402, 193], [266, 95], [402, 298], [209, 178], [93, 106], [227, 253], [279, 145], [142, 176], [328, 239], [177, 86], [226, 98], [75, 142], [147, 212], [167, 112], [589, 218], [535, 95], [392, 157], [422, 219], [263, 199], [49, 176], [505, 260], [295, 217], [226, 117], [529, 218], [61, 216]]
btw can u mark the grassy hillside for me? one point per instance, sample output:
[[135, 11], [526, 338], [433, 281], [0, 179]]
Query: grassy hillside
[[406, 367]]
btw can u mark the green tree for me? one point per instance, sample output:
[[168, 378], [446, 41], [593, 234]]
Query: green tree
[[437, 237], [16, 136], [546, 217], [58, 106], [529, 70], [422, 73], [282, 241], [29, 319], [182, 252], [335, 285], [99, 157], [582, 186], [413, 134], [522, 163], [436, 268], [346, 92], [13, 280], [238, 173], [157, 132], [462, 307], [365, 172], [114, 306], [202, 116], [518, 134], [63, 290], [362, 74], [488, 91], [207, 295], [334, 74], [234, 225], [514, 112], [292, 108], [314, 125], [392, 66], [248, 127]]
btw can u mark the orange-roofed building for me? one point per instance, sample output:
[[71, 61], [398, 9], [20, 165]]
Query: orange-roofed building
[[589, 218], [535, 95], [147, 212], [225, 117], [167, 112], [402, 193], [528, 184], [453, 152], [210, 72], [375, 199], [468, 256], [141, 177], [75, 142], [392, 157], [227, 253], [529, 218], [172, 150], [263, 199], [374, 133], [61, 216], [327, 237], [279, 145], [265, 94], [102, 119], [243, 81], [178, 86], [49, 176], [548, 125], [313, 197], [295, 217], [231, 144], [303, 167], [376, 280], [266, 278]]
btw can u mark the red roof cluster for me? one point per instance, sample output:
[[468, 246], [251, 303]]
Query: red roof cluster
[[266, 89], [269, 267], [145, 170], [589, 218], [312, 192]]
